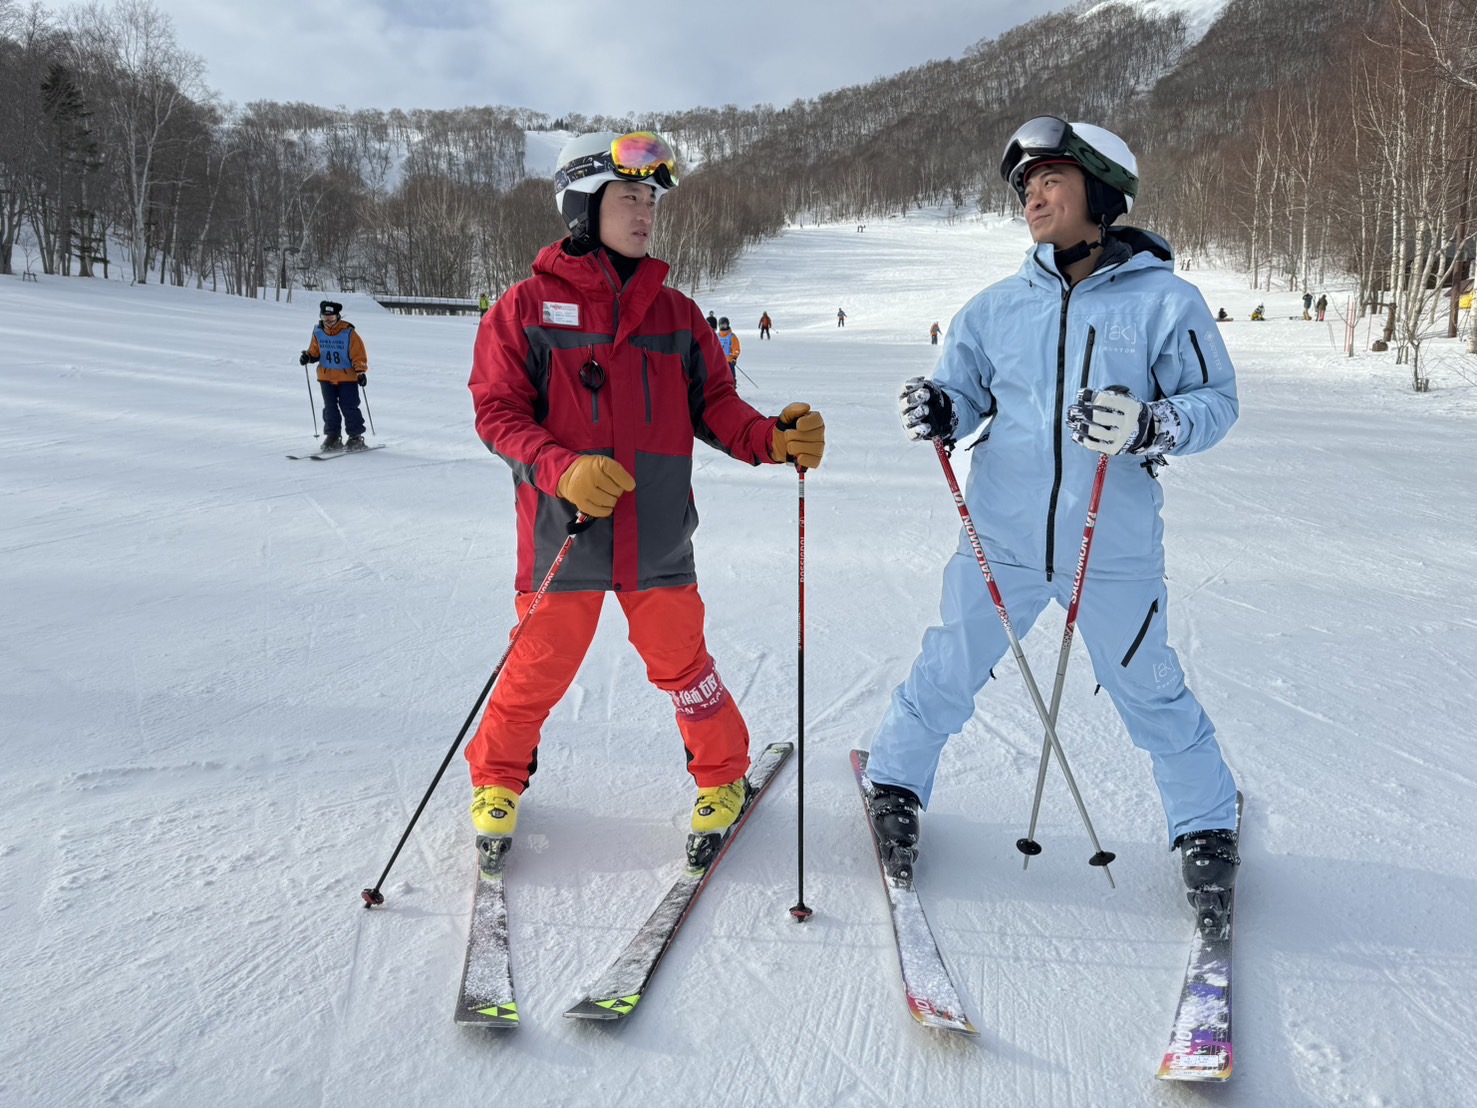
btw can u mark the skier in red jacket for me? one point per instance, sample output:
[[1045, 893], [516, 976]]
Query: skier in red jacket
[[591, 379]]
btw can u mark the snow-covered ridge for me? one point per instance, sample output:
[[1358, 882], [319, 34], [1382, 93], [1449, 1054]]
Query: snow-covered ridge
[[1199, 15]]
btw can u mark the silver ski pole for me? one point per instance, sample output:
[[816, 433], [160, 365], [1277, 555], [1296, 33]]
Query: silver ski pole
[[312, 407], [1101, 857]]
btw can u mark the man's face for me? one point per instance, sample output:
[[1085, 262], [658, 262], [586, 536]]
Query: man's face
[[1056, 206], [627, 211]]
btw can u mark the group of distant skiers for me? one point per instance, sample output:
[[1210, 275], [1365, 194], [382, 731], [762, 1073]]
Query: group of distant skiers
[[593, 379], [1259, 313]]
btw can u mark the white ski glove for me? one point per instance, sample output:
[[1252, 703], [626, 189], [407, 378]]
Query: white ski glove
[[1114, 421]]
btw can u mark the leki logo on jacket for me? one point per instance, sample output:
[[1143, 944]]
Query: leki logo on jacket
[[561, 315]]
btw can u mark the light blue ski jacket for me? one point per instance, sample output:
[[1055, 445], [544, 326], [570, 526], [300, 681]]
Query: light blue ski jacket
[[1020, 351]]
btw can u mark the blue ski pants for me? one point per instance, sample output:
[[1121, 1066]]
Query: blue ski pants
[[1122, 624], [341, 395]]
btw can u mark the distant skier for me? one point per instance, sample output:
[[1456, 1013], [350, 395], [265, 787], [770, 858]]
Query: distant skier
[[840, 318], [1307, 305], [1322, 306], [764, 325], [1104, 304], [1258, 313], [730, 343], [1222, 317], [608, 430], [343, 367], [933, 334], [712, 321], [483, 303]]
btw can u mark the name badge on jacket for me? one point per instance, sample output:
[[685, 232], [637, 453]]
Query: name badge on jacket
[[561, 315]]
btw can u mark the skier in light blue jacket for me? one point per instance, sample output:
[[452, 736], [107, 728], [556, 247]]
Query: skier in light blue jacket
[[1093, 347]]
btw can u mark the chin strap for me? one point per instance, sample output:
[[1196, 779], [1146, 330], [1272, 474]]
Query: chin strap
[[1074, 254]]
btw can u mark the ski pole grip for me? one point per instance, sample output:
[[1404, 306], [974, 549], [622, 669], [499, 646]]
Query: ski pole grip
[[580, 522]]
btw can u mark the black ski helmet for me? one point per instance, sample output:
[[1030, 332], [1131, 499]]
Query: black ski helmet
[[330, 307]]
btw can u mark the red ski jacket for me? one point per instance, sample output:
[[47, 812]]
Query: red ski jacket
[[569, 362]]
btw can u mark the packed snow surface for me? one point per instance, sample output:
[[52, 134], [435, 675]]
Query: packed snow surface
[[229, 679]]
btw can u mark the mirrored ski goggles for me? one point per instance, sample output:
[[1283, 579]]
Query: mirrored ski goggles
[[634, 157], [1047, 136]]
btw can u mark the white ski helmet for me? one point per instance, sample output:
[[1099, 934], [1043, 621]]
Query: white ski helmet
[[590, 162], [1110, 167]]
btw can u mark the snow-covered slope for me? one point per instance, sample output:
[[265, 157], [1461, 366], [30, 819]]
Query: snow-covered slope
[[228, 679], [1199, 15]]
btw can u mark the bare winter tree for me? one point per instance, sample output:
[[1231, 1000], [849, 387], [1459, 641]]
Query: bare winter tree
[[140, 79]]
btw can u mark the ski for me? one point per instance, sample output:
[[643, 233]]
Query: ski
[[1200, 1041], [932, 997], [620, 988], [486, 998], [331, 455]]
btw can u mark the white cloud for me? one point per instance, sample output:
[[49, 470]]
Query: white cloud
[[585, 56]]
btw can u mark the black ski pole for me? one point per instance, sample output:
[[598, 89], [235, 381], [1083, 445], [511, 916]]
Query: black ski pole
[[364, 391], [800, 912], [312, 407], [580, 522], [1101, 857]]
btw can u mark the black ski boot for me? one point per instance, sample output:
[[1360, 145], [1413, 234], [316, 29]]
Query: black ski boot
[[894, 813], [330, 444], [1209, 859], [356, 442]]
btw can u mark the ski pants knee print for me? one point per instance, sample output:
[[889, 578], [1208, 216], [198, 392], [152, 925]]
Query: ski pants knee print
[[1123, 624], [666, 628]]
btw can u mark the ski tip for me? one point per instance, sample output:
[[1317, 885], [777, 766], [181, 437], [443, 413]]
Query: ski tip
[[611, 1008], [503, 1016], [935, 1018], [1212, 1064]]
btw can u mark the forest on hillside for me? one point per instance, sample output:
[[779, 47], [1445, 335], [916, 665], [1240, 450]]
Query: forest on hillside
[[1307, 140]]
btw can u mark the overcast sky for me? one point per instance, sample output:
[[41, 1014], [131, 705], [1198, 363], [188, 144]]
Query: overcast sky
[[589, 56]]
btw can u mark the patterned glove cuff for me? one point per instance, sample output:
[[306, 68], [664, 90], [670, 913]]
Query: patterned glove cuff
[[1167, 430]]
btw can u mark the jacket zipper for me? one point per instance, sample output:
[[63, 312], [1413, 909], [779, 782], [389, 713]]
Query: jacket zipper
[[1204, 371], [1056, 436], [646, 387]]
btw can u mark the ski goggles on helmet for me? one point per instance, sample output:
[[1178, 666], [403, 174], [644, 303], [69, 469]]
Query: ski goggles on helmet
[[1047, 137], [637, 156]]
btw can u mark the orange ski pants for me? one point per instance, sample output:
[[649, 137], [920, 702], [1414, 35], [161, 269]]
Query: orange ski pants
[[665, 627]]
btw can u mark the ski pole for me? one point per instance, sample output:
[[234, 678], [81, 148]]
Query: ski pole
[[1101, 857], [311, 406], [800, 912], [364, 392], [1029, 846], [580, 522]]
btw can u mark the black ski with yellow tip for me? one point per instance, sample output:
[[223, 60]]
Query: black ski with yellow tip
[[620, 988], [486, 998]]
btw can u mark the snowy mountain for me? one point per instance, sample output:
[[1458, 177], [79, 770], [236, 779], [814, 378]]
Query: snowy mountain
[[1199, 15], [230, 678]]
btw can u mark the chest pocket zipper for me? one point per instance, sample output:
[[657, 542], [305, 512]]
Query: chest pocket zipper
[[1087, 357], [646, 385], [592, 376]]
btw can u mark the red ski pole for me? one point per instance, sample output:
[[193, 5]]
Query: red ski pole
[[1029, 846], [1101, 857]]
